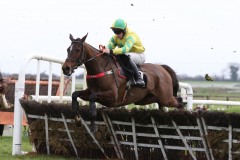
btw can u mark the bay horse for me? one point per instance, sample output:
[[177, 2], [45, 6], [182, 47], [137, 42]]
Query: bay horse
[[105, 86]]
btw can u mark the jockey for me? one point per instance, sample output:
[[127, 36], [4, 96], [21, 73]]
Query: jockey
[[125, 41]]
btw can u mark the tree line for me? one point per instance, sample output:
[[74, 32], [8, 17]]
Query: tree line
[[233, 76], [233, 71]]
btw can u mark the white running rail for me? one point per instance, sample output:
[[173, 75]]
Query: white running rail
[[19, 92]]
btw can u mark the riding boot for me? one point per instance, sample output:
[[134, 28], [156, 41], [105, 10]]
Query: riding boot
[[138, 79]]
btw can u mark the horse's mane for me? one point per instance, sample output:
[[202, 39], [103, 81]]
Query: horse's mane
[[79, 40], [93, 47]]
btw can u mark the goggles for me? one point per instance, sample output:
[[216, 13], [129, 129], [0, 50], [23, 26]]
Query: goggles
[[117, 30]]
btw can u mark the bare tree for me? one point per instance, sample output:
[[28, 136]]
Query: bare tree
[[234, 68]]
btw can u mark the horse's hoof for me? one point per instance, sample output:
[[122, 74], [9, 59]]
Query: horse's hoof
[[93, 128]]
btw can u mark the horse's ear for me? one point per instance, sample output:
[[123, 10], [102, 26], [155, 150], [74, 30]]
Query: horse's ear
[[71, 37], [84, 38]]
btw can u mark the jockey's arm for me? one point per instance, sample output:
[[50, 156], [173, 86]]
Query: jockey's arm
[[121, 50]]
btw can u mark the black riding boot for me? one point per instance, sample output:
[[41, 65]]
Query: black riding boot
[[139, 81]]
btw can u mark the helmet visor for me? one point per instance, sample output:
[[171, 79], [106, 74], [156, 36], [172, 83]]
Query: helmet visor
[[117, 30]]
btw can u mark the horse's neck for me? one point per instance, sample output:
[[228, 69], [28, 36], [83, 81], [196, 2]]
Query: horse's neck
[[91, 51], [98, 63]]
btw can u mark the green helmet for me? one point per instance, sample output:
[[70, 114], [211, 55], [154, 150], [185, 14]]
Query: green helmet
[[119, 24]]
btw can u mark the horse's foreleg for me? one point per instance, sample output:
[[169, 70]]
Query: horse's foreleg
[[75, 104], [93, 112], [96, 97], [84, 95]]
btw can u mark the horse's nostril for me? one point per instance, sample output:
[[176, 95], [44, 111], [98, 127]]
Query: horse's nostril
[[66, 69]]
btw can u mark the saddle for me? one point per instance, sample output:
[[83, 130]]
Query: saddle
[[127, 69]]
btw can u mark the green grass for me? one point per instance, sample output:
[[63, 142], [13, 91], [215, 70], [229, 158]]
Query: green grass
[[233, 109], [229, 109], [6, 151], [217, 90]]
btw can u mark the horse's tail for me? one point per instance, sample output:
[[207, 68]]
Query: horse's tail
[[174, 79]]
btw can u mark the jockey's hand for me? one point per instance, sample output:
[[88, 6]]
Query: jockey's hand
[[106, 50]]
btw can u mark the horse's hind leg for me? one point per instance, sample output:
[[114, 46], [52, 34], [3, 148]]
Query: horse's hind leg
[[179, 100], [169, 101], [176, 102]]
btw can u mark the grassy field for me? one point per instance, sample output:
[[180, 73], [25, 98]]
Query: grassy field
[[6, 151], [217, 90]]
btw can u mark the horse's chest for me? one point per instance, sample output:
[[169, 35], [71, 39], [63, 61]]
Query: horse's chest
[[101, 85]]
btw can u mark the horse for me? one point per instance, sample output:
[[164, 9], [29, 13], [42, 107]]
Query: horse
[[106, 86], [3, 87]]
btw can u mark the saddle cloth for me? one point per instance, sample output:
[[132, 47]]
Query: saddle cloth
[[127, 69]]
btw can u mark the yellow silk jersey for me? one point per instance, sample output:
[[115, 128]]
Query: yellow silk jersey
[[129, 43]]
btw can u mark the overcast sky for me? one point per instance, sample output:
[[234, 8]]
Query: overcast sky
[[193, 37]]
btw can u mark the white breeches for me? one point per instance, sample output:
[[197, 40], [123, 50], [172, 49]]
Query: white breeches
[[137, 58]]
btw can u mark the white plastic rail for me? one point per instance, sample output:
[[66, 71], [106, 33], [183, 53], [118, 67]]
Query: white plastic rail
[[19, 92]]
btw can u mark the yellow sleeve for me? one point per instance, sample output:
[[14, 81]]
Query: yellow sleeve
[[126, 47], [112, 43]]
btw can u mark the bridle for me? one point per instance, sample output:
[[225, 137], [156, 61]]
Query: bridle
[[82, 60]]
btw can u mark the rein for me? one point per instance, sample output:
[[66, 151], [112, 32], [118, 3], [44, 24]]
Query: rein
[[101, 49], [82, 60]]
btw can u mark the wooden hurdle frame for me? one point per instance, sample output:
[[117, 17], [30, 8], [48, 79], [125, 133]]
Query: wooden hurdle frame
[[114, 126]]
